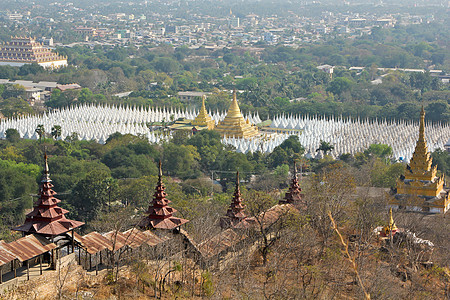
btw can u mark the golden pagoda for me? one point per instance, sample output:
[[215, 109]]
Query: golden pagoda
[[203, 119], [420, 188], [234, 123], [390, 228]]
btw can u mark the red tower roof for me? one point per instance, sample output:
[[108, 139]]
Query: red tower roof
[[47, 218], [235, 212], [294, 195], [159, 212]]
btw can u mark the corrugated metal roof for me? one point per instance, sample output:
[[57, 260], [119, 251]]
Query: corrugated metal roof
[[5, 255], [29, 246], [153, 239], [136, 238], [220, 242], [117, 239], [95, 242]]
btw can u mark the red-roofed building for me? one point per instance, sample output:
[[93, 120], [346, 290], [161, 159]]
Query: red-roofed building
[[235, 213], [47, 218], [159, 213]]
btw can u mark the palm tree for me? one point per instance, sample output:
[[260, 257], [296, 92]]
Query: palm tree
[[40, 130], [56, 131], [325, 147]]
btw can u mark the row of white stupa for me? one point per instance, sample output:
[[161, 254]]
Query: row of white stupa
[[351, 136], [96, 122]]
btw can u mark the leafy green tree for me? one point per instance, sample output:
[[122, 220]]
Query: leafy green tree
[[56, 131], [85, 96], [17, 182], [40, 130], [166, 65], [438, 111], [14, 91], [325, 147], [12, 135], [278, 157], [89, 195], [12, 107], [67, 171], [181, 160], [420, 80], [340, 85], [209, 148], [380, 150], [33, 69], [441, 158]]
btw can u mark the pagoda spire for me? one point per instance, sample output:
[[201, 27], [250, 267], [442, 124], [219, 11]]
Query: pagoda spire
[[234, 123], [234, 110], [47, 218], [46, 172], [203, 118], [235, 213], [159, 213], [294, 194], [390, 227], [421, 161], [420, 187]]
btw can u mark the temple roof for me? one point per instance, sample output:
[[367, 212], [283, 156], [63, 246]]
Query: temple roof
[[235, 212], [294, 194], [420, 182], [159, 213], [47, 218]]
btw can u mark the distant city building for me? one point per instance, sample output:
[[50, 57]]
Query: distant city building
[[357, 22], [172, 29], [89, 31], [15, 17], [189, 96], [385, 22], [26, 50], [327, 69], [233, 22]]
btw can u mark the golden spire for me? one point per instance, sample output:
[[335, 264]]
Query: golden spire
[[203, 109], [234, 111], [203, 118], [421, 160], [234, 123], [422, 127], [391, 225]]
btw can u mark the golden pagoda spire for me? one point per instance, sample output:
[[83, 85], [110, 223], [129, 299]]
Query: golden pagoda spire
[[420, 184], [234, 110], [234, 123], [203, 109], [391, 225], [422, 128], [421, 160], [203, 118]]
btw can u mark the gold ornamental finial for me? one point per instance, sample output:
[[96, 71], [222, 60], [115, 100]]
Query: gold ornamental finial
[[392, 225], [422, 125], [234, 110], [160, 173], [203, 109]]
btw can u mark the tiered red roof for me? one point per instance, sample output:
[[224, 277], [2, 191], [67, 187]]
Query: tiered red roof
[[47, 218], [159, 212], [294, 195], [235, 213]]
